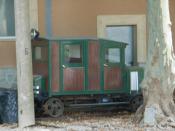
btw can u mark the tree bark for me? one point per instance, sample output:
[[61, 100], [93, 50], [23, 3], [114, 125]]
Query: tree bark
[[158, 84], [24, 64]]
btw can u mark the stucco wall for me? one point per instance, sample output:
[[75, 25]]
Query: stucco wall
[[41, 17], [7, 54], [79, 17]]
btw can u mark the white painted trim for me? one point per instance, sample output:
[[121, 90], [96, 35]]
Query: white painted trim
[[134, 83], [7, 38], [139, 20]]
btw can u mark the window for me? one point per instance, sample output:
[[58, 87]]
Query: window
[[7, 20], [139, 21], [112, 55], [124, 34], [41, 53], [73, 54]]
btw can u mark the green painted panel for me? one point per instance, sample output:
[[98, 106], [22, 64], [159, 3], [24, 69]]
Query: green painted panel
[[50, 69], [128, 71]]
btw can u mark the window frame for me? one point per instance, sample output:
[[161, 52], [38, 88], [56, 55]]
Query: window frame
[[81, 55], [72, 42], [33, 10], [34, 54], [9, 37], [138, 20], [107, 60]]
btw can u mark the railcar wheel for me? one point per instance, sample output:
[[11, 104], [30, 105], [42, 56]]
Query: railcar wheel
[[136, 102], [54, 107]]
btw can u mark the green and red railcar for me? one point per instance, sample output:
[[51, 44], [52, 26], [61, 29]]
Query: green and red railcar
[[83, 72]]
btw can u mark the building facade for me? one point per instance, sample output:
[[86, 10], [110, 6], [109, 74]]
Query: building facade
[[80, 18]]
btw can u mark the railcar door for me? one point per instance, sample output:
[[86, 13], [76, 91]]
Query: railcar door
[[72, 66], [112, 64]]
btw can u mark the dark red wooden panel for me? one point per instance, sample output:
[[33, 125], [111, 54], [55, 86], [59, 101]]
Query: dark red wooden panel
[[112, 78], [93, 66], [73, 79], [55, 67], [40, 68]]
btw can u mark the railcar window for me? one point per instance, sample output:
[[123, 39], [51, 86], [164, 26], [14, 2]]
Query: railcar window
[[73, 54], [112, 55], [41, 53]]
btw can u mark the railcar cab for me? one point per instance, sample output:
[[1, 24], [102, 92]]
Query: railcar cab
[[84, 72]]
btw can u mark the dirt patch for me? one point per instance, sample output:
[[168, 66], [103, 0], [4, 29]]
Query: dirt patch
[[86, 121]]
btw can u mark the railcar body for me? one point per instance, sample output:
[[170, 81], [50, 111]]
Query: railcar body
[[83, 72]]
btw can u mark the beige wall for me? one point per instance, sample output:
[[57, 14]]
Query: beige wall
[[41, 17], [78, 18], [7, 54]]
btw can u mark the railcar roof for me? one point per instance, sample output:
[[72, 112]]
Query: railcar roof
[[75, 38]]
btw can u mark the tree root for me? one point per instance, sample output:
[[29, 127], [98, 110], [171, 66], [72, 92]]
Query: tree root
[[167, 122], [162, 119], [138, 115]]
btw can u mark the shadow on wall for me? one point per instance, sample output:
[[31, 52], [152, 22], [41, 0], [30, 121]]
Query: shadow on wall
[[8, 78]]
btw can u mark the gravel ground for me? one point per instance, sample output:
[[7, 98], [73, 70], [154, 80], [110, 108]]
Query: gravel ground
[[84, 121]]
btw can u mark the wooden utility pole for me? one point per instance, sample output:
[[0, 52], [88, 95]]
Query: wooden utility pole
[[24, 65]]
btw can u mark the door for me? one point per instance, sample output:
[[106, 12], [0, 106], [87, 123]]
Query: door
[[112, 62], [72, 66]]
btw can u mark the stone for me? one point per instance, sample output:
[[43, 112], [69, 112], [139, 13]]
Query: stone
[[78, 128], [149, 116]]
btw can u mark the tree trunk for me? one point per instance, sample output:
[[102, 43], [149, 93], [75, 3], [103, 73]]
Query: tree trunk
[[158, 84], [24, 64]]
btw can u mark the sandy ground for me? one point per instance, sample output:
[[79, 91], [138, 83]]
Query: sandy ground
[[86, 121]]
